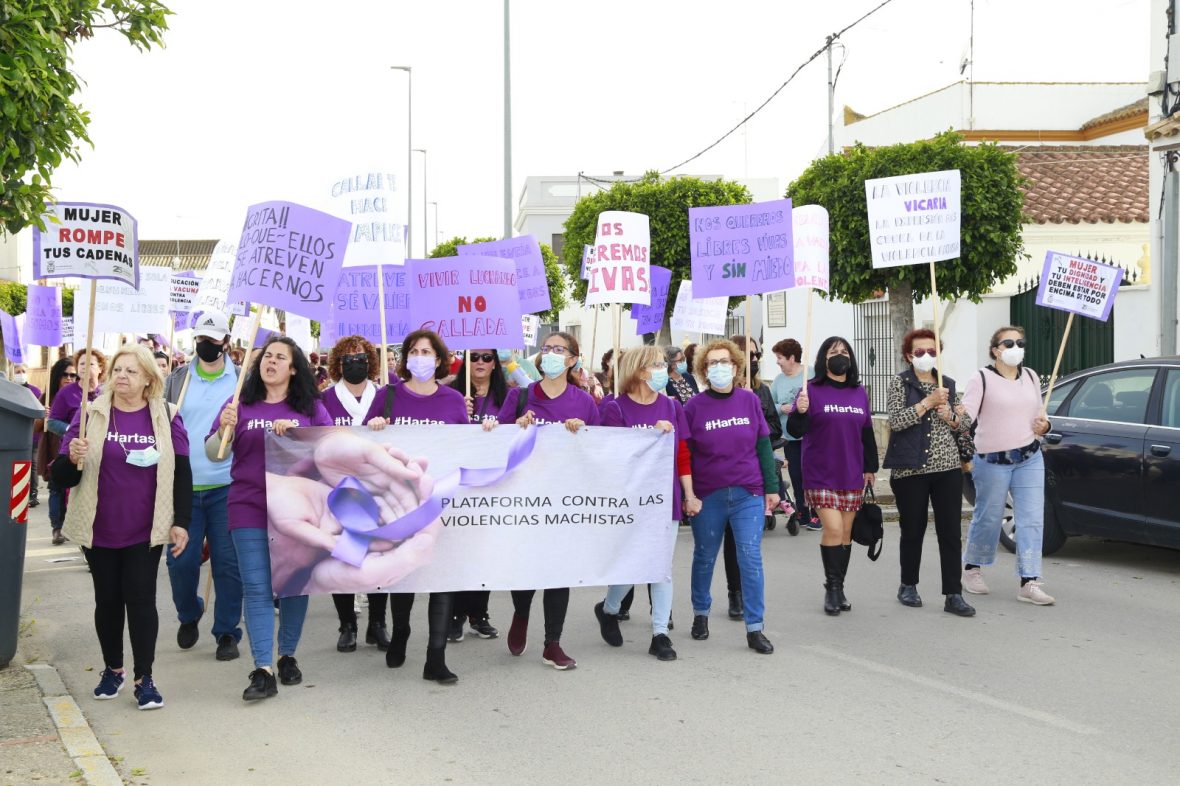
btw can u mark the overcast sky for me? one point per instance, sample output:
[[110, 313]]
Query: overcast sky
[[267, 99]]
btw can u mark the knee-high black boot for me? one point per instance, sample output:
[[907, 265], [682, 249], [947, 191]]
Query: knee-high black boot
[[845, 556], [439, 616], [400, 603], [831, 557]]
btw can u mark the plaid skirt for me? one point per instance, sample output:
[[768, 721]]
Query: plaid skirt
[[847, 500]]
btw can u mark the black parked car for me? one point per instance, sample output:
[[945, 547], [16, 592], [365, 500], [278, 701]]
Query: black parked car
[[1112, 458]]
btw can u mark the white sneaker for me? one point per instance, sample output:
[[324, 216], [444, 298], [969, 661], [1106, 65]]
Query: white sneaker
[[1032, 593], [973, 582]]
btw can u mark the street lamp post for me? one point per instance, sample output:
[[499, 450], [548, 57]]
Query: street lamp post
[[507, 123], [425, 239], [409, 150], [436, 238]]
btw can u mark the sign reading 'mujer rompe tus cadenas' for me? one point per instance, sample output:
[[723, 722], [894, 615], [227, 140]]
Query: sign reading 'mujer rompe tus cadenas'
[[86, 240]]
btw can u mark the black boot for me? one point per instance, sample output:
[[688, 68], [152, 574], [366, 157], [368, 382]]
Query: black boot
[[845, 556], [625, 607], [395, 656], [377, 634], [439, 616], [736, 610], [831, 558], [347, 640]]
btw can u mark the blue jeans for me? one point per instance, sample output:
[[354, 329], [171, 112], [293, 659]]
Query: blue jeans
[[744, 513], [253, 551], [57, 506], [210, 521], [1026, 481], [661, 603]]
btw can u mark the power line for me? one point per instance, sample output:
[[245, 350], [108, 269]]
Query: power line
[[828, 42]]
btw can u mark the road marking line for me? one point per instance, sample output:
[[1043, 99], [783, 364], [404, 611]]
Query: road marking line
[[953, 690]]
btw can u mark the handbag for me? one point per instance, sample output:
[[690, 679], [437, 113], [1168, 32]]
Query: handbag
[[867, 528]]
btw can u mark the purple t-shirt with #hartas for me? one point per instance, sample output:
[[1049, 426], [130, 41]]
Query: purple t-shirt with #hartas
[[330, 398], [629, 413], [126, 493], [833, 449], [67, 402], [572, 403], [725, 432], [247, 489], [444, 405], [485, 408]]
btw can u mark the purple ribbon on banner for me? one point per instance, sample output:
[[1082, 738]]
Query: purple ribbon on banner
[[356, 510]]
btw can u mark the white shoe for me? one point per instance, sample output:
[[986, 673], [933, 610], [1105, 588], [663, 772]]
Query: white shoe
[[973, 582], [1032, 593]]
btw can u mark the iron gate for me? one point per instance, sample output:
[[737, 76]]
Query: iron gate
[[875, 353]]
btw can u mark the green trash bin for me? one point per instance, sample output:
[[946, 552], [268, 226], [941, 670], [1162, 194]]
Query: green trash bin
[[18, 410]]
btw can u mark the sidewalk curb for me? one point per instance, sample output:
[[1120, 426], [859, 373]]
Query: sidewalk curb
[[73, 729]]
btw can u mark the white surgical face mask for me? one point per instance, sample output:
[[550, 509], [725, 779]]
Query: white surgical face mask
[[20, 379], [552, 365], [1013, 356], [147, 457], [925, 364]]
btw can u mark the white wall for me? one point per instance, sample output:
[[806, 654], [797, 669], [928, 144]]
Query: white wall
[[828, 318], [1136, 323]]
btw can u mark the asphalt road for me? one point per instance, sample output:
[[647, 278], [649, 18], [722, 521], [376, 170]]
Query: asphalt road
[[1083, 692]]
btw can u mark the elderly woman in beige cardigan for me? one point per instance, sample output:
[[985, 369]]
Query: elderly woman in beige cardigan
[[132, 495]]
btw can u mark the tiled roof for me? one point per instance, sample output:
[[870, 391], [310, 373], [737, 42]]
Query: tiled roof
[[194, 254], [1091, 184], [1122, 113]]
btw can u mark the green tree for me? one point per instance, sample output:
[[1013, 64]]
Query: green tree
[[553, 272], [992, 209], [42, 125], [666, 204]]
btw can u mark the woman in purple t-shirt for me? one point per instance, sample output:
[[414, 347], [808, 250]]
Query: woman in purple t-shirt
[[833, 417], [421, 399], [132, 496]]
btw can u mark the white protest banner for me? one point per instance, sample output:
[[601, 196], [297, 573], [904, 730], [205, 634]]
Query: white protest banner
[[121, 309], [914, 219], [619, 272], [299, 331], [370, 199], [182, 291], [1078, 285], [86, 240], [505, 511], [810, 228], [67, 329], [215, 280], [706, 315], [530, 326]]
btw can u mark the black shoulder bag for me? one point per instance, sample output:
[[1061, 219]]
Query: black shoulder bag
[[867, 529]]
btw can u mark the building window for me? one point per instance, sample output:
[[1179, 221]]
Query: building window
[[557, 242]]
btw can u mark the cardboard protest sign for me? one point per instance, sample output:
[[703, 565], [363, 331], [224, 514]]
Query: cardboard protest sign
[[650, 319], [525, 251], [299, 331], [289, 257], [354, 306], [122, 309], [914, 219], [1078, 285], [530, 326], [470, 302], [371, 201], [67, 330], [214, 284], [14, 348], [43, 320], [620, 270], [704, 315], [809, 224], [587, 260], [86, 240], [182, 291], [741, 249]]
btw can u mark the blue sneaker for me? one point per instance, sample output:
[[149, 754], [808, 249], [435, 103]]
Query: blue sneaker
[[147, 696], [813, 524], [110, 682]]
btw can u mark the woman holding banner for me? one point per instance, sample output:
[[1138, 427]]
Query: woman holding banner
[[840, 452], [420, 399], [925, 468], [644, 376], [555, 399], [733, 472], [278, 394], [132, 495], [1005, 400], [354, 367]]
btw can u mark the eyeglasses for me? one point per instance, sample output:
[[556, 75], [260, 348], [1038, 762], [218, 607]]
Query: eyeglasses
[[715, 363], [756, 355], [354, 358], [556, 350], [1009, 343], [918, 353], [482, 357], [69, 376], [659, 364]]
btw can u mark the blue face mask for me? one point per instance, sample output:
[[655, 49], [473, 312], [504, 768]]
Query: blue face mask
[[721, 376], [659, 379], [682, 367], [578, 365], [552, 365], [505, 354]]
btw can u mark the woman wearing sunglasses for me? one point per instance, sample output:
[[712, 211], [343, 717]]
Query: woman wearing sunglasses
[[926, 472], [1005, 400]]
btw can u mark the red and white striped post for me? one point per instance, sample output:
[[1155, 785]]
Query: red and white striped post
[[18, 502]]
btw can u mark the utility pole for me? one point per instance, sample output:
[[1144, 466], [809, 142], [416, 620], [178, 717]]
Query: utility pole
[[507, 124], [831, 99]]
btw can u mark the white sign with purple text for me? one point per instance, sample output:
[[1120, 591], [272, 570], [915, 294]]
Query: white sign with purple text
[[914, 219]]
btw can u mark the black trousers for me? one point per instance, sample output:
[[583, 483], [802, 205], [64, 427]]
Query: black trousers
[[555, 602], [346, 611], [793, 451], [125, 587], [916, 495], [471, 604], [438, 615], [733, 574]]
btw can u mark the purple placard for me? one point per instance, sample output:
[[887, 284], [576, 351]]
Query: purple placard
[[587, 259], [43, 316], [181, 322], [87, 240], [354, 306], [471, 302], [262, 336], [741, 249], [649, 319], [1078, 285], [13, 347], [289, 257], [525, 251]]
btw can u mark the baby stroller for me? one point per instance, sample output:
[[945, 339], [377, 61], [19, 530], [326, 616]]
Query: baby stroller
[[786, 505]]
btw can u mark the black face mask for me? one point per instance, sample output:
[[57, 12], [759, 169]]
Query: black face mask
[[355, 371], [208, 351], [839, 364], [753, 368]]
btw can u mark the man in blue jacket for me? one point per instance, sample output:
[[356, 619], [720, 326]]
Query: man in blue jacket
[[199, 389]]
